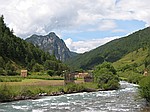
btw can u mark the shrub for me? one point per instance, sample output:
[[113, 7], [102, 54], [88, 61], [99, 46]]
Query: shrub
[[106, 77], [5, 93], [145, 88], [131, 76], [50, 72], [37, 67], [27, 92], [69, 88]]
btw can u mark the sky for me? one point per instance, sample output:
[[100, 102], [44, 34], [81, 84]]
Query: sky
[[82, 24]]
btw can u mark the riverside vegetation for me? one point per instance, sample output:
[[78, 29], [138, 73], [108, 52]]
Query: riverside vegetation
[[21, 92], [131, 68], [105, 78]]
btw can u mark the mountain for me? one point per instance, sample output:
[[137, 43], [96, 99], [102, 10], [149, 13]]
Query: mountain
[[112, 51], [16, 54], [53, 44], [134, 61]]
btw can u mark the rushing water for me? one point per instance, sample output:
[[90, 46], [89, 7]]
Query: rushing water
[[123, 100]]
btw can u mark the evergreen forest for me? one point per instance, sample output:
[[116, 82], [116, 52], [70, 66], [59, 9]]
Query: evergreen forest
[[17, 54]]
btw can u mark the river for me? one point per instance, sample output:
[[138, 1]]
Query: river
[[122, 100]]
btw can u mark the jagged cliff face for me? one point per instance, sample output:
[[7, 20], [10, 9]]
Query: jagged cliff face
[[53, 44]]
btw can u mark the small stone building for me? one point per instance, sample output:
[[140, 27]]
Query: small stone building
[[145, 72], [24, 73], [69, 78], [81, 75]]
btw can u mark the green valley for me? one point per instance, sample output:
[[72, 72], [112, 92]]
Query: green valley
[[112, 51]]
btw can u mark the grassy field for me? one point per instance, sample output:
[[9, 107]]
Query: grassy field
[[39, 82], [136, 57], [32, 88], [18, 88]]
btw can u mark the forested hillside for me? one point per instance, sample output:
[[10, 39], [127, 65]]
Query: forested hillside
[[16, 54], [112, 51]]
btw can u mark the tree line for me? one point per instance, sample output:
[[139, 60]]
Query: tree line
[[16, 53]]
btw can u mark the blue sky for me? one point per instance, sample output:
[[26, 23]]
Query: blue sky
[[82, 24], [123, 28]]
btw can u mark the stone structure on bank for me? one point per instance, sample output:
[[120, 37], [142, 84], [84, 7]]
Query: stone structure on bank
[[69, 78], [24, 73], [145, 72], [81, 75], [86, 76]]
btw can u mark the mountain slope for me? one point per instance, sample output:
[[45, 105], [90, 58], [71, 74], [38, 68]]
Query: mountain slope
[[16, 53], [133, 60], [112, 51], [53, 44]]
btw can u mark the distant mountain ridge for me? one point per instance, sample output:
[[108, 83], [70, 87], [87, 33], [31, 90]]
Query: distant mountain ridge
[[52, 44], [112, 51]]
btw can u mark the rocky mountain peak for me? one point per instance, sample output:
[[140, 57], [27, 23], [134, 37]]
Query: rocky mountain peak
[[53, 44]]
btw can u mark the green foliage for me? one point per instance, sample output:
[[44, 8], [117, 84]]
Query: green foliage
[[27, 92], [112, 51], [50, 72], [2, 62], [131, 66], [147, 61], [84, 87], [16, 53], [5, 93], [45, 77], [131, 76], [2, 71], [69, 88], [106, 77], [10, 79], [108, 66], [145, 88], [127, 64], [10, 93], [37, 68]]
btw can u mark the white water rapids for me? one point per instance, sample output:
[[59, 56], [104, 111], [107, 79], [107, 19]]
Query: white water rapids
[[123, 100]]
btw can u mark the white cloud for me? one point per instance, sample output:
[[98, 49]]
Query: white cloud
[[87, 45], [42, 16], [34, 16], [107, 25], [118, 30], [132, 10]]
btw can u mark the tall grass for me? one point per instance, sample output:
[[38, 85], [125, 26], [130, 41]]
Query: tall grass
[[45, 77], [19, 78], [11, 79], [10, 93]]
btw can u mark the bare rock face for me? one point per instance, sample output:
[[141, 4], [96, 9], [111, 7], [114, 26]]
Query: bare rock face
[[53, 44]]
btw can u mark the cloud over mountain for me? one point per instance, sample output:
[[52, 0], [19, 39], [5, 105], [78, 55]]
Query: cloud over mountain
[[27, 17], [83, 46]]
